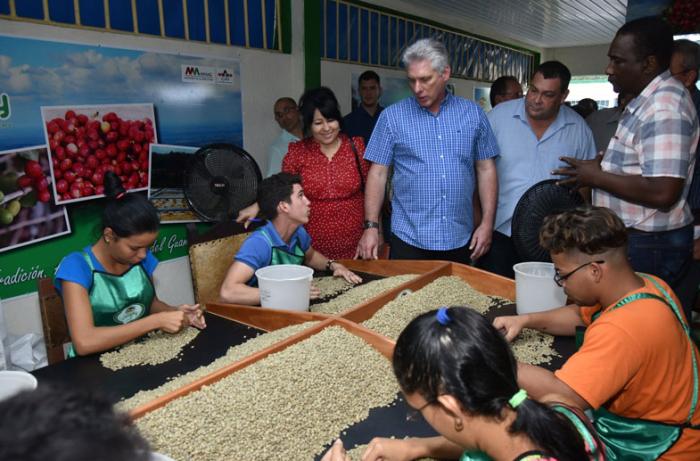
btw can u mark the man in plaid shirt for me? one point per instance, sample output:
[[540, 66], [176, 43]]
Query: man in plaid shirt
[[644, 174], [437, 144]]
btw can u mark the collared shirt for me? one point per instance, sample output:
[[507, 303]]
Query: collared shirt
[[256, 251], [277, 151], [656, 137], [360, 123], [603, 124], [525, 160], [694, 192], [434, 157]]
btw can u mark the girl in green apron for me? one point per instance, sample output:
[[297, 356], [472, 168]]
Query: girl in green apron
[[457, 371], [107, 289]]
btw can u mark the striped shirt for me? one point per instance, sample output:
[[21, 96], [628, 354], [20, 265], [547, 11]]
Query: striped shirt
[[434, 157], [656, 137]]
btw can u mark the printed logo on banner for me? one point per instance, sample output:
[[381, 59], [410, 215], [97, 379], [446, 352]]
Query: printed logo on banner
[[197, 73], [4, 106], [224, 76]]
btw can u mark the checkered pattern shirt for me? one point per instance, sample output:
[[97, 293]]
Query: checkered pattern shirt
[[434, 157], [656, 137]]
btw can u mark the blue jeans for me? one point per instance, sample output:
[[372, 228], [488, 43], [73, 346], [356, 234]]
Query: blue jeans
[[666, 254]]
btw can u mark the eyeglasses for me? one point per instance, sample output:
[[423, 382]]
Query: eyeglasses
[[413, 414], [560, 279]]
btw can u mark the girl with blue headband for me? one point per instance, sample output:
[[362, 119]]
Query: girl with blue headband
[[459, 372]]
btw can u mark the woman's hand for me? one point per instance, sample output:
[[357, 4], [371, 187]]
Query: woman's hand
[[194, 314], [336, 452], [341, 271], [246, 215], [381, 449], [172, 321]]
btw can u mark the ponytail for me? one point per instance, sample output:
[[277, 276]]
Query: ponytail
[[456, 351], [127, 214], [550, 430]]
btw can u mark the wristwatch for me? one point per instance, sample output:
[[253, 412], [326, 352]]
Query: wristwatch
[[328, 265], [370, 224]]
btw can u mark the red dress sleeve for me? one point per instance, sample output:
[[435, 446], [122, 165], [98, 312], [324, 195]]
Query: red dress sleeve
[[291, 163]]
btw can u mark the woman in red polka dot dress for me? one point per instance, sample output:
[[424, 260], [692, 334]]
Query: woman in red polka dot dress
[[332, 175]]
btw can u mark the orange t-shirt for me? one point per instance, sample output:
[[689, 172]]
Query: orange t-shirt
[[636, 361]]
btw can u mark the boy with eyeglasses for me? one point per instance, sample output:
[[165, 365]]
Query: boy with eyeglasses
[[637, 366]]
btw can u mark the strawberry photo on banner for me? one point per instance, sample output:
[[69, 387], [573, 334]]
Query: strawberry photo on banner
[[86, 141], [27, 210]]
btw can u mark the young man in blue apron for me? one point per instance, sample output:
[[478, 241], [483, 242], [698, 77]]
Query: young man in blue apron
[[283, 240], [637, 367]]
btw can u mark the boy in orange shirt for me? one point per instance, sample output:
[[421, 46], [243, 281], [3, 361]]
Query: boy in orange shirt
[[637, 366]]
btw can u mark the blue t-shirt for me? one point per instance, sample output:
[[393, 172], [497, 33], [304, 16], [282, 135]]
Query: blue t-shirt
[[256, 251], [74, 268]]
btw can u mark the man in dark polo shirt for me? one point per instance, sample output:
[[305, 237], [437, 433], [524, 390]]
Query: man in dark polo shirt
[[361, 121]]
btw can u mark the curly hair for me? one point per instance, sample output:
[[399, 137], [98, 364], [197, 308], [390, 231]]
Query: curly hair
[[590, 230]]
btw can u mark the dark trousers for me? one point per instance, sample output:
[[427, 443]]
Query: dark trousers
[[501, 257], [402, 250], [667, 254]]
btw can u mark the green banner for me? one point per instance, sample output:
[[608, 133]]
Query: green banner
[[20, 268]]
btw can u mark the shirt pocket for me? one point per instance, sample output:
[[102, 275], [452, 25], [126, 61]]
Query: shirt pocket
[[460, 141], [621, 156]]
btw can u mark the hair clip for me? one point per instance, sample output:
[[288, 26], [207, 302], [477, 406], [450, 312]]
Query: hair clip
[[442, 317], [518, 398]]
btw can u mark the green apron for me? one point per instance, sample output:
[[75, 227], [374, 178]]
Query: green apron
[[281, 256], [640, 439], [118, 299], [592, 445]]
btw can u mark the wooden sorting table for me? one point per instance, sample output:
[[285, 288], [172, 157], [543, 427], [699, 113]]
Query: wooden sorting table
[[221, 333], [231, 324]]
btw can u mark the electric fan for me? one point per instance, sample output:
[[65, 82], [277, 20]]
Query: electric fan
[[221, 179], [539, 201]]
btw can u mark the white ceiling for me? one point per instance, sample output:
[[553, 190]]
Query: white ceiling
[[540, 23]]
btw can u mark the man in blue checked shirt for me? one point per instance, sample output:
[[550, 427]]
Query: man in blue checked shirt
[[436, 143]]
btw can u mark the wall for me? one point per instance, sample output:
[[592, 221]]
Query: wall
[[265, 76], [581, 60]]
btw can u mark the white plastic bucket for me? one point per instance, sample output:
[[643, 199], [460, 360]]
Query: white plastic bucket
[[14, 382], [535, 289], [285, 286]]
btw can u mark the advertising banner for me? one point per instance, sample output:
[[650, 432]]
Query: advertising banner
[[192, 100]]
